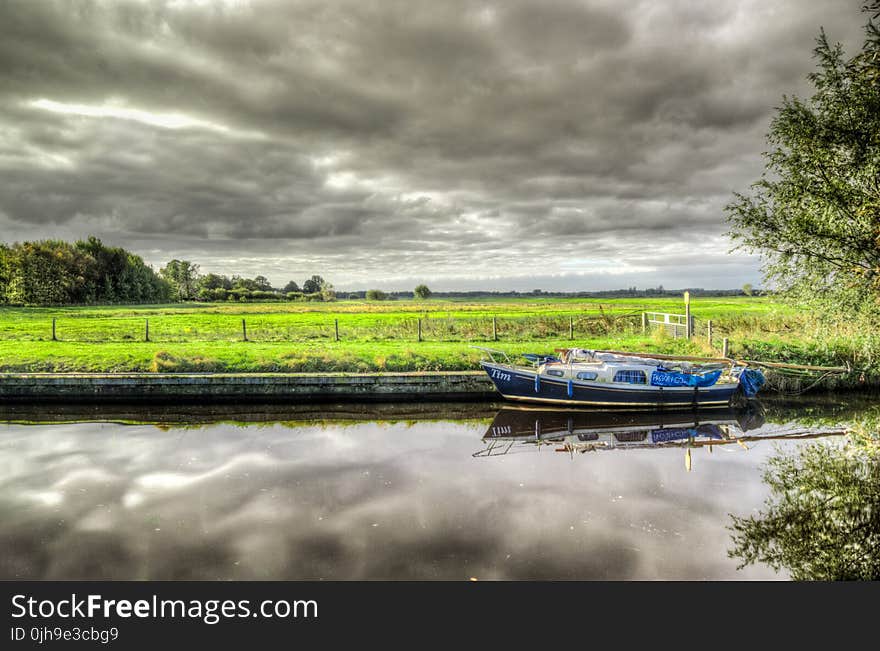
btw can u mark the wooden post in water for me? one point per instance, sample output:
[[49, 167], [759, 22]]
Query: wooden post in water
[[725, 347], [644, 322], [146, 329], [420, 329], [688, 325], [336, 327], [571, 327], [494, 329], [709, 331], [243, 330], [53, 330]]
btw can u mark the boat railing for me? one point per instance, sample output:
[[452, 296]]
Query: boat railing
[[491, 352]]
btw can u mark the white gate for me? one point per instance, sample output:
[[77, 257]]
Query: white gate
[[675, 324]]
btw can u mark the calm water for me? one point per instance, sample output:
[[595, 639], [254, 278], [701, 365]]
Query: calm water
[[382, 493]]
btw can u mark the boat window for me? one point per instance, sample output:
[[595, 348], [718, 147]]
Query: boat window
[[588, 437], [555, 373], [632, 377], [630, 437], [586, 375]]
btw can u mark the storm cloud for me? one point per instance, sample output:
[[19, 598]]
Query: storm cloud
[[496, 145]]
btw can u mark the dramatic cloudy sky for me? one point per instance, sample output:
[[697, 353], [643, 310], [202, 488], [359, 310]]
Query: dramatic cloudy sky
[[576, 144]]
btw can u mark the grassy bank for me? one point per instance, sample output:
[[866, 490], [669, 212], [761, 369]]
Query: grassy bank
[[251, 357], [382, 336]]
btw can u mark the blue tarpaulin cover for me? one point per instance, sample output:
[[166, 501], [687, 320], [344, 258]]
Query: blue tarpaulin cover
[[751, 380], [676, 379]]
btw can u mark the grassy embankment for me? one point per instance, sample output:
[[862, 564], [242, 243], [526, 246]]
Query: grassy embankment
[[382, 336]]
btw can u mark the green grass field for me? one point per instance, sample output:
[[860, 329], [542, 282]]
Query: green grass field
[[362, 321], [382, 336]]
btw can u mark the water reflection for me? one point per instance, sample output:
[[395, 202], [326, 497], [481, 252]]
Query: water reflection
[[578, 431], [358, 492], [822, 518]]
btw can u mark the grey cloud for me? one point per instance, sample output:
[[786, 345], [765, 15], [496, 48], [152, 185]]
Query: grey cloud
[[415, 130]]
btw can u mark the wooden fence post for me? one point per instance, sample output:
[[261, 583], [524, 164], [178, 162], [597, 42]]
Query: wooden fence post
[[571, 327], [147, 330], [688, 324], [420, 329], [53, 330], [709, 331], [494, 329], [244, 330], [644, 322], [336, 328], [725, 347]]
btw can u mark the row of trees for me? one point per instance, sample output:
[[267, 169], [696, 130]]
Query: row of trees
[[188, 284], [421, 292], [87, 271], [54, 272]]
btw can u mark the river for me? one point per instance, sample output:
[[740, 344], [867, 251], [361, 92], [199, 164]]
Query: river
[[434, 491]]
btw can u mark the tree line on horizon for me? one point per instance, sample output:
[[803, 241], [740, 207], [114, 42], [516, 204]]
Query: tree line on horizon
[[88, 272], [188, 284]]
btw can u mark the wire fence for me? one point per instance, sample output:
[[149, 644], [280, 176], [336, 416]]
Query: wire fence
[[361, 327], [275, 328]]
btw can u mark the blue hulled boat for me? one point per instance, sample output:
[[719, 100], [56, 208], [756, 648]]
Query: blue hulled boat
[[610, 379]]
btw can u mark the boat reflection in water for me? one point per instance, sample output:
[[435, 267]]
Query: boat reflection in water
[[516, 429]]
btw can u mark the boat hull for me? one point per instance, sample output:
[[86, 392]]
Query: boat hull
[[519, 384]]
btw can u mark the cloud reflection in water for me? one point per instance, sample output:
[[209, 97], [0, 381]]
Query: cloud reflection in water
[[363, 501]]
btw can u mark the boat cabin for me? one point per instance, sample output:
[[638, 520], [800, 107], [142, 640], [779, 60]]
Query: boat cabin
[[599, 371]]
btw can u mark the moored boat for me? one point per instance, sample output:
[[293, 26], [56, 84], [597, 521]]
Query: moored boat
[[611, 379]]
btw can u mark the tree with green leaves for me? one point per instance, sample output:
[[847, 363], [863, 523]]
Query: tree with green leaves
[[327, 291], [247, 284], [263, 284], [56, 272], [313, 285], [45, 273], [814, 216], [183, 276], [422, 292], [214, 281]]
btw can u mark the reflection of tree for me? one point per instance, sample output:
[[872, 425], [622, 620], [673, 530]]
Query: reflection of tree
[[822, 519]]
